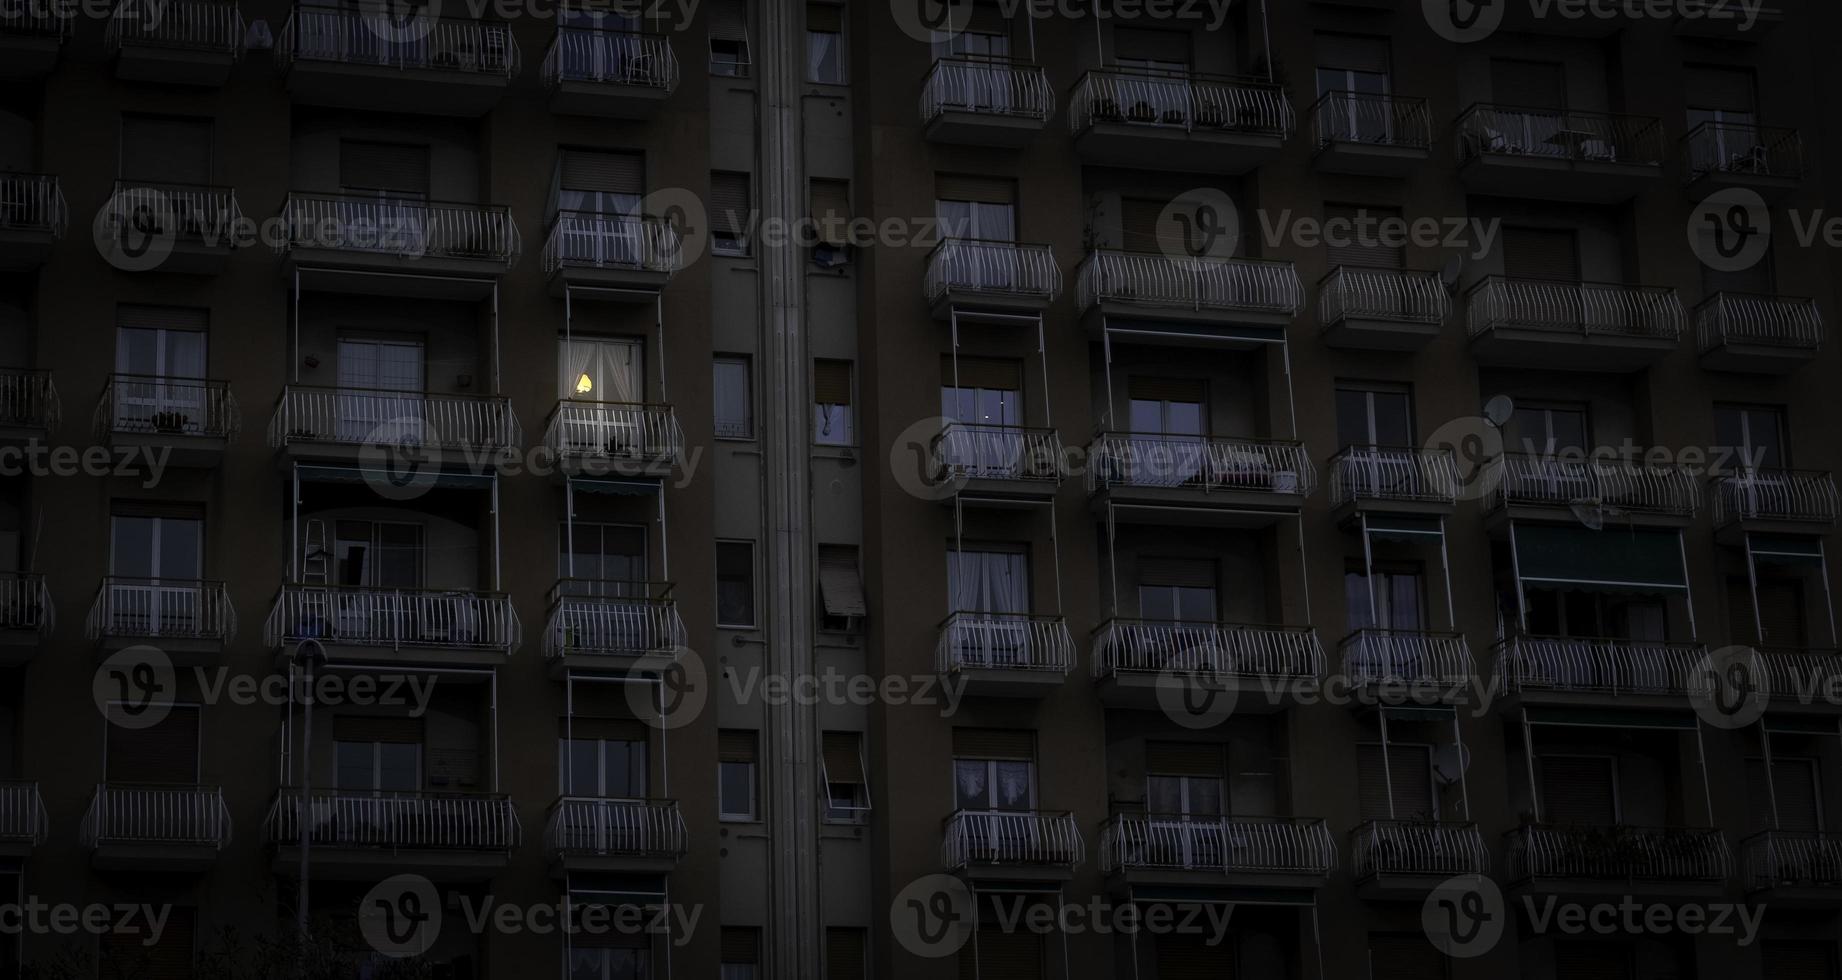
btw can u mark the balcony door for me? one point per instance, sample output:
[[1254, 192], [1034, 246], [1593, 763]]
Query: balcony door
[[1394, 605], [1156, 85], [162, 754], [155, 564], [605, 760], [386, 188], [378, 756], [1542, 254], [987, 404], [1752, 436], [978, 210], [1355, 68], [980, 79], [1404, 776], [1531, 97], [376, 563], [993, 586], [597, 203], [994, 788], [1726, 102], [1781, 611], [609, 955], [601, 45], [1371, 419], [603, 560], [607, 377], [1168, 421], [1552, 441], [1184, 794], [1792, 800], [380, 390], [1578, 790], [1179, 604], [160, 352]]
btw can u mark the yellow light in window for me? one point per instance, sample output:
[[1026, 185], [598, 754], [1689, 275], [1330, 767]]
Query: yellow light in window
[[584, 385]]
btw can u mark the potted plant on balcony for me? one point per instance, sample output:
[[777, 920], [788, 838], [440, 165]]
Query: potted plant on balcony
[[170, 422], [1142, 112], [1104, 109], [1172, 117], [1210, 116]]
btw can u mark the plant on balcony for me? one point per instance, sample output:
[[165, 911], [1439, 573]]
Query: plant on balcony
[[1172, 117], [302, 432], [1143, 112], [1104, 109], [1211, 116], [171, 422]]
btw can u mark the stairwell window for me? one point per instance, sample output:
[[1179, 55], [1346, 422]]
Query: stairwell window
[[847, 791], [735, 583], [729, 213], [737, 775], [729, 56], [825, 44], [833, 415], [840, 588], [733, 383]]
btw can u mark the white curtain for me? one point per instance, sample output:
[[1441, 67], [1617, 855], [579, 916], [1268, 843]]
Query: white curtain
[[989, 581]]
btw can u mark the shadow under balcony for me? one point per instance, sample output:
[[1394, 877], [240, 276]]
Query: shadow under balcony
[[1625, 492], [1757, 334], [591, 834], [155, 828], [616, 257], [1156, 299], [1578, 326], [1178, 120], [1557, 154], [190, 620], [31, 35], [356, 624], [1248, 855], [1381, 309], [1376, 485], [1651, 863], [1003, 466], [33, 216], [455, 248], [1792, 868], [1407, 859], [176, 42], [386, 431], [617, 628], [183, 229], [1198, 480], [987, 278], [609, 74], [192, 419], [1011, 845], [369, 58], [23, 820], [27, 616], [1370, 135], [1794, 506], [1004, 655], [1597, 672], [1768, 160], [985, 102], [1407, 667], [1154, 665], [363, 835], [614, 439]]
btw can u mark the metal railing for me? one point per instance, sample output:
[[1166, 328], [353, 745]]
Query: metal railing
[[1394, 295], [1791, 859], [986, 86], [162, 608], [37, 20], [1744, 149], [1008, 268], [1371, 119], [1390, 473], [1417, 847], [1373, 655], [1187, 101], [375, 35], [1767, 321], [1150, 459], [1558, 134], [377, 416], [147, 403], [1004, 641], [1620, 852], [394, 618], [1626, 484], [32, 202], [1798, 675], [127, 813], [1226, 844], [1586, 308], [1222, 285], [397, 820], [25, 602], [587, 54], [29, 399], [1600, 665], [600, 618], [1011, 837], [1149, 646], [596, 240], [637, 431], [972, 450], [196, 25], [195, 211], [1775, 495], [636, 828], [406, 227], [22, 813]]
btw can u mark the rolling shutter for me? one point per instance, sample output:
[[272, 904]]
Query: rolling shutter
[[1578, 790], [844, 949], [1138, 226], [1191, 573], [604, 171], [984, 190], [124, 957], [994, 743], [1528, 84], [831, 382], [729, 20], [166, 150], [729, 202], [1541, 253], [1592, 961], [162, 317], [741, 947], [1184, 759], [1411, 771], [1794, 959], [842, 754], [605, 729], [1353, 52], [1190, 957], [1363, 246], [165, 752], [1156, 389], [1011, 955], [399, 167], [825, 17], [369, 728], [840, 582], [736, 746], [1723, 89], [1138, 44], [994, 373], [1405, 956]]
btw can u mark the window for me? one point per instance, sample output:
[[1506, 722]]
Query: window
[[602, 370], [1578, 790], [1167, 406], [164, 753], [741, 949], [370, 369], [1362, 236], [1792, 800], [1183, 778], [1374, 417], [1551, 254], [832, 421], [615, 963], [847, 792], [729, 213], [733, 382], [377, 754], [735, 583], [1399, 599], [982, 80], [840, 588], [378, 554], [844, 954], [602, 757], [1405, 778], [736, 777], [1355, 69], [155, 567], [393, 171], [1752, 435], [1177, 591], [604, 559], [1578, 613], [1546, 430], [994, 770], [160, 360], [988, 592], [824, 44], [976, 208], [829, 202], [598, 182], [729, 39]]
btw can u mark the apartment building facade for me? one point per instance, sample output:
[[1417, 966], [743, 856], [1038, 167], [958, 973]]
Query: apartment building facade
[[502, 406]]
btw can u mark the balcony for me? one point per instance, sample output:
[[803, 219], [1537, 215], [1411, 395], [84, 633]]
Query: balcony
[[1757, 334], [1579, 326], [184, 617], [1723, 155], [1393, 481], [360, 834], [192, 418], [1171, 120], [1193, 849], [132, 827], [634, 836], [1142, 663], [1557, 154], [183, 229], [1381, 309], [1406, 859], [993, 277], [1800, 502], [357, 624], [995, 465], [1799, 678], [609, 74], [366, 58], [32, 218], [1015, 845], [985, 102], [1006, 655], [619, 256], [592, 438], [1393, 666], [1730, 22], [27, 616], [1245, 300], [1246, 483], [175, 42], [360, 233], [23, 820], [1792, 867], [1621, 859], [1370, 135], [616, 627], [29, 405], [1549, 487], [1598, 671], [31, 35], [355, 425]]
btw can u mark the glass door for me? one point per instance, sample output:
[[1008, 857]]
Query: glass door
[[605, 377], [1168, 447], [1361, 108], [993, 587], [380, 391], [1184, 823], [981, 78], [988, 442], [164, 390], [997, 799], [155, 564]]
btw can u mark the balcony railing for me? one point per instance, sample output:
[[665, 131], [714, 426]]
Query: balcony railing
[[1415, 657], [1620, 853], [962, 265], [1230, 845], [594, 240], [195, 212], [37, 20], [1151, 646], [152, 404], [1798, 675], [585, 825], [1186, 101], [25, 602], [1387, 473], [1371, 119], [1600, 665], [1744, 149], [1391, 295], [394, 618], [600, 618], [123, 813], [162, 608], [1227, 286], [22, 813], [1767, 321], [1791, 859], [1559, 481], [586, 54], [375, 36], [1804, 496], [405, 227], [986, 86], [630, 431], [1558, 134], [380, 417], [1584, 308], [32, 202], [1184, 462], [1379, 848], [397, 820], [28, 399], [1014, 838], [1004, 641], [967, 450], [193, 25]]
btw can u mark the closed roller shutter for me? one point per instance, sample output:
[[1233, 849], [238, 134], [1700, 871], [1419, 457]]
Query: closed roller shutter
[[729, 20], [1528, 84], [1138, 226], [994, 373], [741, 946], [1788, 959], [124, 957], [1155, 389], [1137, 44], [844, 954], [162, 317], [363, 728], [1409, 768], [1405, 956], [606, 729], [729, 202], [604, 171], [1186, 957], [734, 746], [1193, 573], [1577, 790], [842, 755], [1591, 961], [984, 190], [165, 752], [1723, 89], [1003, 955], [1353, 52], [1184, 759], [825, 17], [1363, 245], [166, 150], [402, 168], [1541, 253], [831, 382], [994, 743]]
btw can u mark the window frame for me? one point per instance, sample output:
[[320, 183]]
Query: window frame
[[754, 618], [747, 364], [847, 411]]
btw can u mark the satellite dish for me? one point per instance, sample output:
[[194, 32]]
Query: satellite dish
[[1450, 762], [1449, 272], [1588, 511], [1498, 409]]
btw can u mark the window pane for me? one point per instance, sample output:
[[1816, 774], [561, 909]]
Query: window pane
[[398, 766], [354, 762], [1393, 422], [1157, 603], [1195, 605], [1205, 796], [971, 784], [132, 551], [734, 403], [581, 763], [735, 583], [736, 784], [1352, 418]]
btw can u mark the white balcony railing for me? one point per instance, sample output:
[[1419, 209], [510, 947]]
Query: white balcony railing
[[1791, 859], [162, 608], [1184, 101], [1600, 665], [25, 603], [1371, 119], [1004, 641], [1392, 295], [1559, 134], [1220, 844], [586, 54], [1148, 459], [986, 86], [1379, 848], [397, 821], [404, 227], [1797, 675], [1150, 646], [1620, 853], [1413, 657], [603, 827], [1017, 838], [22, 813], [195, 212], [1387, 473], [150, 404], [966, 450], [1227, 286], [594, 240], [963, 265], [375, 35], [380, 417], [1802, 496], [619, 431], [1559, 481], [122, 813], [601, 618], [394, 618], [1583, 308], [1744, 149], [46, 20], [1766, 321], [189, 25], [28, 399], [32, 203]]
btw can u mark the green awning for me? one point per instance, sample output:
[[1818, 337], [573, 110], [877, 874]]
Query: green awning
[[1670, 719], [1618, 560], [382, 477], [1402, 527], [614, 487], [1785, 549]]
